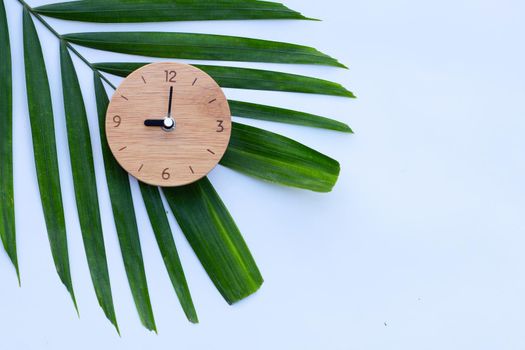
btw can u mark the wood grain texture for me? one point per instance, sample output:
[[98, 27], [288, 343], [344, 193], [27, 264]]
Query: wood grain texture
[[201, 113]]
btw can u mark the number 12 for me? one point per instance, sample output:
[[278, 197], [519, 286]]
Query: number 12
[[170, 76]]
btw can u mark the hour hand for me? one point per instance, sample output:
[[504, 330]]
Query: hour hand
[[154, 122], [167, 124]]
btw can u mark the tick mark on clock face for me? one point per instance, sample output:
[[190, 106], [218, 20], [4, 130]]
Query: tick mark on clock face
[[144, 80], [123, 148], [191, 169], [194, 82], [213, 100], [124, 97], [140, 168], [209, 150]]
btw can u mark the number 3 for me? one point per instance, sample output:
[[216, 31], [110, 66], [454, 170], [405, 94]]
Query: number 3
[[220, 128]]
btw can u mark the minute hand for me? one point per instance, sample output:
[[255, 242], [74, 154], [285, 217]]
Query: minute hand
[[170, 101]]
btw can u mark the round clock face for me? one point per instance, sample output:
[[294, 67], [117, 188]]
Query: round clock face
[[168, 124]]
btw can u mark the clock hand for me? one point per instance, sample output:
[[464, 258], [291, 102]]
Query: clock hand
[[166, 123], [170, 101], [154, 122]]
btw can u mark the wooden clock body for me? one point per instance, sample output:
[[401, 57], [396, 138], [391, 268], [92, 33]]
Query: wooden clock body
[[202, 124]]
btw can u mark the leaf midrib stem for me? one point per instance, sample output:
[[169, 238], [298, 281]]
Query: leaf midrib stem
[[69, 46]]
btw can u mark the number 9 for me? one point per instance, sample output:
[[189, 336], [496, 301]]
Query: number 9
[[117, 120]]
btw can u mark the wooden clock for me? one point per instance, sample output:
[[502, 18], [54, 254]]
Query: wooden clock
[[168, 124]]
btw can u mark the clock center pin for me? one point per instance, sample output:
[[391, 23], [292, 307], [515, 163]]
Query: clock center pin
[[169, 124]]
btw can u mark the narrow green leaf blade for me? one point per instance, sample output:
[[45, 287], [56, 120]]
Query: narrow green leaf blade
[[125, 11], [278, 159], [164, 236], [215, 238], [85, 184], [201, 47], [247, 78], [125, 219], [280, 115], [44, 147], [7, 202]]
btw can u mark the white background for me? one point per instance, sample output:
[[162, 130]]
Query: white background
[[419, 246]]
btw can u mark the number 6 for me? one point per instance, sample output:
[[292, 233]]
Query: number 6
[[165, 174]]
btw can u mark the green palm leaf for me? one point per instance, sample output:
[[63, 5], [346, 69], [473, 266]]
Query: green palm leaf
[[247, 78], [85, 184], [278, 159], [215, 238], [7, 203], [162, 230], [125, 219], [118, 11], [261, 112], [201, 47], [44, 146]]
